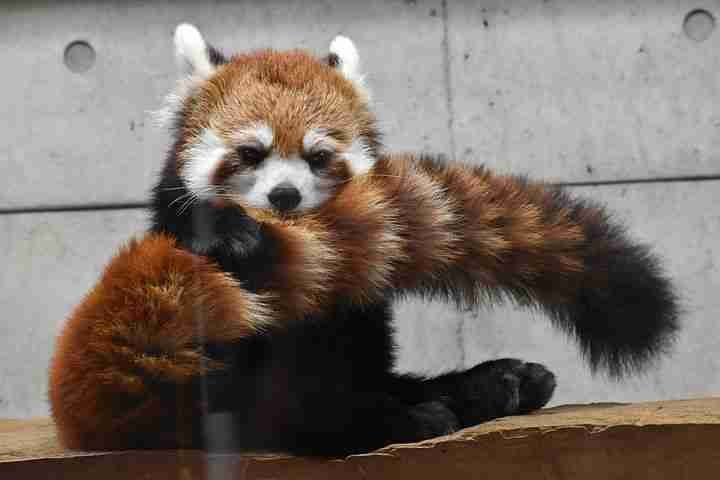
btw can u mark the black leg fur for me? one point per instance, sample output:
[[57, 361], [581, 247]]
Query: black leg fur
[[368, 421], [319, 387], [323, 416]]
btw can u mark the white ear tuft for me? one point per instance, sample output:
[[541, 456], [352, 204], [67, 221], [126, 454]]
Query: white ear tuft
[[191, 51], [348, 60]]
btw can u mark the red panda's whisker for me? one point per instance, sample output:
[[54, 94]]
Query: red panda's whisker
[[185, 206], [181, 197]]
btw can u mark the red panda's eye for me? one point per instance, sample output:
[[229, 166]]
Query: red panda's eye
[[251, 155], [319, 159]]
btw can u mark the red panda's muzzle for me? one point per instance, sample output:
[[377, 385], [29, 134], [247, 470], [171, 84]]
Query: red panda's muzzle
[[285, 197]]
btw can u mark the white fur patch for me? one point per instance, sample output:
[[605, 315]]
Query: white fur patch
[[275, 170], [259, 132], [349, 61], [191, 51], [318, 139], [202, 160], [359, 158]]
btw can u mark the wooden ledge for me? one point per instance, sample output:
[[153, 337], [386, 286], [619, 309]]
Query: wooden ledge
[[673, 439]]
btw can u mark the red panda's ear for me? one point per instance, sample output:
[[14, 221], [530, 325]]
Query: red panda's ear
[[194, 56], [197, 61], [345, 58]]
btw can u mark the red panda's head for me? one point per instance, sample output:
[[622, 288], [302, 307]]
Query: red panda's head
[[269, 129]]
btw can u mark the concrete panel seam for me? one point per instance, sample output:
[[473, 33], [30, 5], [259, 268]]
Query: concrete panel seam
[[449, 97], [74, 208], [449, 101], [144, 205], [636, 181]]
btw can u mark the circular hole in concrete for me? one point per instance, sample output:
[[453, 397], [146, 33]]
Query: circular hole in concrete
[[699, 24], [79, 56]]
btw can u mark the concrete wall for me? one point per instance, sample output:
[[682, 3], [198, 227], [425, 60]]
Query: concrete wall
[[620, 100]]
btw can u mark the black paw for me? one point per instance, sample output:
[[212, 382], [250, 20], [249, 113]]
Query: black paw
[[433, 419], [223, 232], [499, 388], [537, 385]]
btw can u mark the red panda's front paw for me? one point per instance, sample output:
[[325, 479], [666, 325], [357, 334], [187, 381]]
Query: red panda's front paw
[[223, 231]]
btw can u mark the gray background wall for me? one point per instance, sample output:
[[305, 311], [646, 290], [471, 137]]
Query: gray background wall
[[615, 98]]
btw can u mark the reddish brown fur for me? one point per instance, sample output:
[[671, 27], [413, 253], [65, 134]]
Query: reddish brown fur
[[124, 363], [409, 225], [453, 227], [292, 92]]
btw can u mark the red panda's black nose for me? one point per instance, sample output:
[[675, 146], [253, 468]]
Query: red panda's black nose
[[285, 197]]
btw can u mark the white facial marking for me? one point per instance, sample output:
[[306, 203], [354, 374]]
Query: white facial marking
[[275, 170], [264, 134], [359, 158], [191, 51], [349, 61], [318, 139], [202, 161], [259, 132]]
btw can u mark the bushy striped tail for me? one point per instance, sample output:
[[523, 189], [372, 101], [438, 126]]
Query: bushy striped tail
[[416, 225], [124, 368]]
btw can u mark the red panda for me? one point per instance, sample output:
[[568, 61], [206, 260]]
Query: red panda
[[259, 304]]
